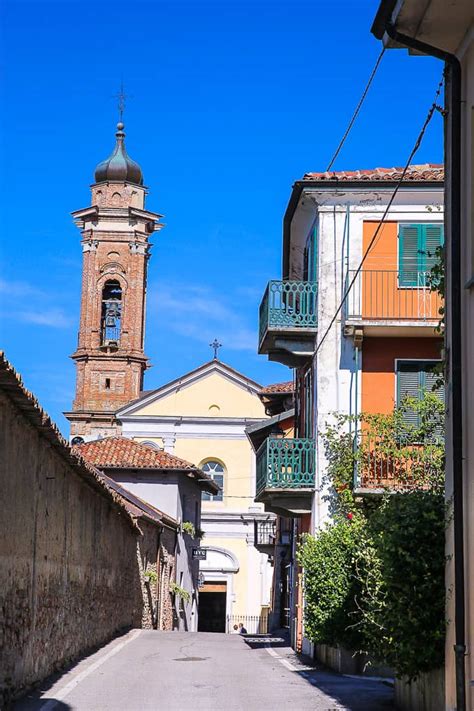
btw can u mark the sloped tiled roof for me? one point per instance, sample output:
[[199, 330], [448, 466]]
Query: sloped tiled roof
[[124, 453], [425, 172], [277, 388]]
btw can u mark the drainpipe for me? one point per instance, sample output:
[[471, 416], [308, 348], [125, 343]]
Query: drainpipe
[[356, 480], [454, 105]]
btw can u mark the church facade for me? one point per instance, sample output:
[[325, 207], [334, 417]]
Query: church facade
[[202, 417]]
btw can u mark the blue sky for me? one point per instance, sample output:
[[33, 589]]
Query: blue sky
[[231, 101]]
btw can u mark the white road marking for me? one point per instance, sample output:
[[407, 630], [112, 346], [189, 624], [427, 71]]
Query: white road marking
[[60, 695], [285, 662]]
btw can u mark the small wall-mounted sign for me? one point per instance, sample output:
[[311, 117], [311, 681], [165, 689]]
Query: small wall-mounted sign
[[199, 554]]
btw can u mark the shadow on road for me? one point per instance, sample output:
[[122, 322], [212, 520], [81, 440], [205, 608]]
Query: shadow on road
[[346, 692]]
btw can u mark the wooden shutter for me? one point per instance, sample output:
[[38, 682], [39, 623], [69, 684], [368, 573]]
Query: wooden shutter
[[408, 385], [409, 252], [433, 238]]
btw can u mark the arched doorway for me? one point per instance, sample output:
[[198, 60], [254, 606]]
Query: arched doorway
[[215, 594]]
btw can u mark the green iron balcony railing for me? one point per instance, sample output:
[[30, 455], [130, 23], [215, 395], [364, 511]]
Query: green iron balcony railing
[[286, 464], [288, 305]]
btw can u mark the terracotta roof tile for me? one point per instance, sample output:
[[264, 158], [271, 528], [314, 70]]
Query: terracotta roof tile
[[124, 453], [427, 171], [286, 387]]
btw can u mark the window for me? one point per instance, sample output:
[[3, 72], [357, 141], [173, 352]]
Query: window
[[216, 471], [111, 312], [107, 383], [417, 246], [413, 378], [311, 256]]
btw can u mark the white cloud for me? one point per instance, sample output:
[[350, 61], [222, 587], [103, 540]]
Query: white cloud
[[54, 318], [201, 314], [25, 302]]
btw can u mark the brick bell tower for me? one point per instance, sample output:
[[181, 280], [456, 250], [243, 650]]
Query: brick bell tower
[[110, 357]]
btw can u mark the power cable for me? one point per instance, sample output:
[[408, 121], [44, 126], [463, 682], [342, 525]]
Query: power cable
[[356, 112], [434, 107]]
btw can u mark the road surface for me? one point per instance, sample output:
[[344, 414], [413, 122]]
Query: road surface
[[146, 670]]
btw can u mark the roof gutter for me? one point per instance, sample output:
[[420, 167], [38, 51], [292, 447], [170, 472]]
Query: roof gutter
[[453, 195]]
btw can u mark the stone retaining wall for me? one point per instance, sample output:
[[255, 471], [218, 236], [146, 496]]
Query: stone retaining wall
[[69, 577]]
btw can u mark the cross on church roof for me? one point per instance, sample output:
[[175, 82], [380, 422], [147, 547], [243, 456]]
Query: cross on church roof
[[121, 98], [216, 345]]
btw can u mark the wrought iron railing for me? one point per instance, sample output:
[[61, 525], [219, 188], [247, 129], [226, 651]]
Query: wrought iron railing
[[252, 624], [285, 464], [379, 294], [397, 464], [265, 533], [288, 305]]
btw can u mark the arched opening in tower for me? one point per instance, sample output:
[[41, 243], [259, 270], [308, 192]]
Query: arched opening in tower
[[111, 313]]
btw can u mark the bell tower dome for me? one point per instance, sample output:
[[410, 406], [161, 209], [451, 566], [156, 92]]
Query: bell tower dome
[[115, 233]]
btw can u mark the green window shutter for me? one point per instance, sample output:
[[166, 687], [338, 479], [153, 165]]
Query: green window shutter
[[433, 238], [311, 256], [430, 380], [408, 385], [409, 253]]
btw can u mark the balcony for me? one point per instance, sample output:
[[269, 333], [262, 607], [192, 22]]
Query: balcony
[[265, 536], [407, 465], [381, 305], [288, 321], [286, 475]]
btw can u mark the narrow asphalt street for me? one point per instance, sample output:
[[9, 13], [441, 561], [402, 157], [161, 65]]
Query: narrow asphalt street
[[173, 671]]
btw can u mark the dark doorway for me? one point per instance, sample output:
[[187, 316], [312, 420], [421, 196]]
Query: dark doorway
[[212, 607]]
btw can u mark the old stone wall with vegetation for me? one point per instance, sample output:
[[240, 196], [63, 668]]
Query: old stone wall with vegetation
[[69, 578], [167, 570]]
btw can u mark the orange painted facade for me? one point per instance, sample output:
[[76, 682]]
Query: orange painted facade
[[381, 297], [378, 367]]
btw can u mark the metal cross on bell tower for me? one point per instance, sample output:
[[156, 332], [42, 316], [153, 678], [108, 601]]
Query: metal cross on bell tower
[[216, 345], [121, 98]]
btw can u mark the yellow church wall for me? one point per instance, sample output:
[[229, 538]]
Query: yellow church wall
[[235, 455], [212, 396], [216, 396]]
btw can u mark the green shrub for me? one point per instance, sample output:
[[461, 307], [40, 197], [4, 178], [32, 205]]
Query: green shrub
[[374, 578], [409, 530]]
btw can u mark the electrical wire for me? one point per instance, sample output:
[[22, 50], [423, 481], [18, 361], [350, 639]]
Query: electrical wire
[[356, 112], [434, 107]]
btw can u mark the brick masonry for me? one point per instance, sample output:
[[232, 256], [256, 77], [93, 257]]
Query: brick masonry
[[115, 241]]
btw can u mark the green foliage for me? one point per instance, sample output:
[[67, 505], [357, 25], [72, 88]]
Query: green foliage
[[329, 583], [409, 533], [374, 577], [436, 280], [188, 527], [178, 591], [411, 454], [150, 576]]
